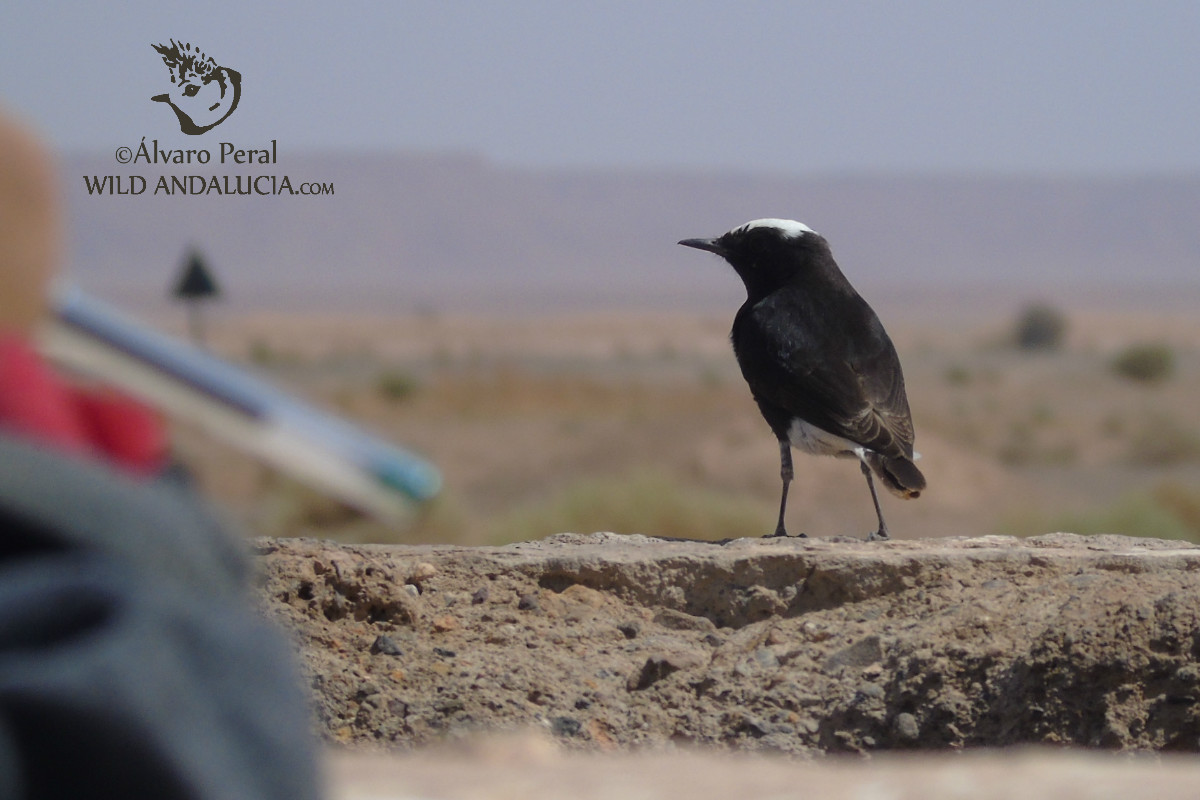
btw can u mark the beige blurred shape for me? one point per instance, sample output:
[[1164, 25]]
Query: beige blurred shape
[[30, 220]]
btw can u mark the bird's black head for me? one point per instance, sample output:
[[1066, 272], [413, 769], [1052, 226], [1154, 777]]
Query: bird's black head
[[767, 253]]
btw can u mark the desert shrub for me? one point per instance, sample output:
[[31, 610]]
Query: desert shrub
[[261, 353], [397, 386], [1149, 363], [1040, 327], [264, 355], [958, 375]]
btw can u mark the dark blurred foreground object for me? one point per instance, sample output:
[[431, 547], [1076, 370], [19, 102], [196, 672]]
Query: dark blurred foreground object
[[132, 664]]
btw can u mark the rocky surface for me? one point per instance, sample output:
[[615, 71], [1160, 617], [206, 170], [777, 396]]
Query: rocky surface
[[801, 646]]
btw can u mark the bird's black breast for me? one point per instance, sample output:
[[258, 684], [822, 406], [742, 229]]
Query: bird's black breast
[[819, 353]]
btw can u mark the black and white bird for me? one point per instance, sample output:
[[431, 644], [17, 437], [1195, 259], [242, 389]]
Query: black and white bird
[[820, 366]]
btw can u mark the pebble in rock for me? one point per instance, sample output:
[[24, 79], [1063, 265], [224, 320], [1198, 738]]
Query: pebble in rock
[[385, 645], [906, 727], [630, 629], [422, 572], [566, 726]]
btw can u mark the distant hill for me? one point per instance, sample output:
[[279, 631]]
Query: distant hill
[[442, 231]]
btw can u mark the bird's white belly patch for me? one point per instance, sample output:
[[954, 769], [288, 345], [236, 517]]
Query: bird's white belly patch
[[812, 439]]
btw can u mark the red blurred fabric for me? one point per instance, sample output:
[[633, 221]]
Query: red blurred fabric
[[35, 402]]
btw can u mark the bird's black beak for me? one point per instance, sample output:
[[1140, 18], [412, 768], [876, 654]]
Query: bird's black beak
[[704, 244]]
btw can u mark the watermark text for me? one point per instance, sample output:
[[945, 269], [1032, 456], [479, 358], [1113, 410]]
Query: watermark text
[[227, 153], [264, 185]]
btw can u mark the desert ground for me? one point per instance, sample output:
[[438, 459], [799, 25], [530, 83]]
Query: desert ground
[[639, 422], [796, 647]]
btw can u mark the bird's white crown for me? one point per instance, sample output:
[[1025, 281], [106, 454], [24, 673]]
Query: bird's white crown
[[788, 227]]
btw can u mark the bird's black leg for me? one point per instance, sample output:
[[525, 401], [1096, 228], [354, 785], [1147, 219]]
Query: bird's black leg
[[785, 473], [882, 533]]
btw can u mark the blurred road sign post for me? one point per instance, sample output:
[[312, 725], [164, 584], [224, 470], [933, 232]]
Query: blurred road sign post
[[195, 286]]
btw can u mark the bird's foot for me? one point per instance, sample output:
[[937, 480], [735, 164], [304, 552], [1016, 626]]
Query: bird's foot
[[780, 533], [880, 535]]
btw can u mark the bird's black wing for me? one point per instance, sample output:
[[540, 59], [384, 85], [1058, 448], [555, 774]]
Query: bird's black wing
[[827, 360]]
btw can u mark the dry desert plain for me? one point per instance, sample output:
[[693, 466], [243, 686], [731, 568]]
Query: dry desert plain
[[639, 422]]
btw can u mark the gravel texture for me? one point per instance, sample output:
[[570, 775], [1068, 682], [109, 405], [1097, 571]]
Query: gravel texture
[[798, 646]]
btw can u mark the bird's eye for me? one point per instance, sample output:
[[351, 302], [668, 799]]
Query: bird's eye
[[191, 90]]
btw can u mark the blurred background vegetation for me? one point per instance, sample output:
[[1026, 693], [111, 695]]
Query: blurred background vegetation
[[1034, 421]]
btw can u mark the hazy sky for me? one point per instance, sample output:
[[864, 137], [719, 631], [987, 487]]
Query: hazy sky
[[1029, 86]]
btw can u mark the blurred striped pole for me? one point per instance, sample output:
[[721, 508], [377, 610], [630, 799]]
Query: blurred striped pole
[[316, 447]]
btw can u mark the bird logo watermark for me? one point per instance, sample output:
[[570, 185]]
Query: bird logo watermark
[[203, 93]]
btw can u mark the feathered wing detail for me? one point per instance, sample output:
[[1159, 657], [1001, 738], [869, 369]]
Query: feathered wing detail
[[859, 397]]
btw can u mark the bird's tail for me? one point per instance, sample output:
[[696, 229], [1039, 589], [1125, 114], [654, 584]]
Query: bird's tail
[[899, 475]]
